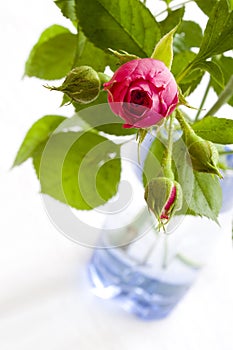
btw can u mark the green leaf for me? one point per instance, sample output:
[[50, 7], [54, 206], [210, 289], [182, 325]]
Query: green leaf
[[202, 192], [213, 69], [188, 87], [173, 18], [191, 33], [207, 196], [37, 134], [164, 49], [206, 5], [217, 130], [180, 62], [79, 169], [98, 115], [116, 128], [218, 36], [119, 24], [226, 65], [86, 51], [179, 45], [67, 8], [53, 55], [183, 172]]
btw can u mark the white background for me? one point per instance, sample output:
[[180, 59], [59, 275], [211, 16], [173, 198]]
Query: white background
[[45, 299]]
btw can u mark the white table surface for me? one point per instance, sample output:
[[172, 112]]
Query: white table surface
[[45, 297]]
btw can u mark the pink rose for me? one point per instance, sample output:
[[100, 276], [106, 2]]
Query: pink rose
[[142, 92]]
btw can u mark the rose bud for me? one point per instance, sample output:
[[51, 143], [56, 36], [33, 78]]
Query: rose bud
[[142, 92], [203, 154], [163, 197], [82, 85]]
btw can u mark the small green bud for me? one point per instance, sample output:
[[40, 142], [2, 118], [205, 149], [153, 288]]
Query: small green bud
[[164, 198], [82, 84], [203, 155]]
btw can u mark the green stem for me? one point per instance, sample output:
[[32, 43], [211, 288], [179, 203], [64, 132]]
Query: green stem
[[203, 100], [104, 78], [167, 160], [223, 98], [188, 261], [165, 255], [81, 40], [148, 253], [184, 125], [170, 139], [184, 73], [225, 152]]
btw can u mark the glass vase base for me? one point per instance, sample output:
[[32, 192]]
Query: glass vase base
[[144, 296]]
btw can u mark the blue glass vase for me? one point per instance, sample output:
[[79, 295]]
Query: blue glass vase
[[137, 285]]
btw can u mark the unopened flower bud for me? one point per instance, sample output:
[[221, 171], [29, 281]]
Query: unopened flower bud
[[203, 155], [163, 197], [82, 84]]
